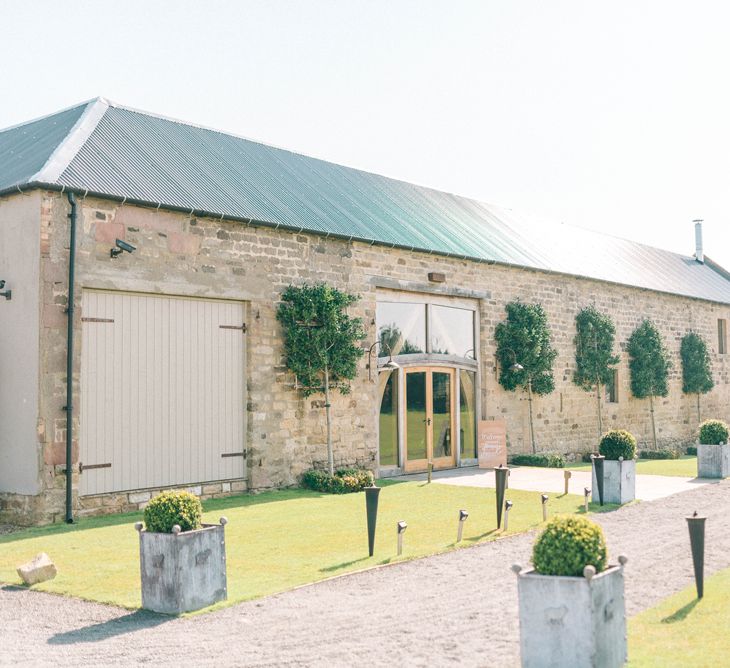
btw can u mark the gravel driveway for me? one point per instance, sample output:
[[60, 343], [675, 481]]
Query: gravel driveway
[[457, 608]]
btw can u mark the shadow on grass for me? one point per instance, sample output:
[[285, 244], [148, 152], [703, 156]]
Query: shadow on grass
[[681, 614], [474, 539], [134, 621], [387, 482], [344, 564], [211, 505], [598, 508]]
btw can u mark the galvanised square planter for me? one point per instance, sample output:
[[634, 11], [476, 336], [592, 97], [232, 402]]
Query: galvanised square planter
[[572, 621], [184, 570], [713, 461], [619, 481]]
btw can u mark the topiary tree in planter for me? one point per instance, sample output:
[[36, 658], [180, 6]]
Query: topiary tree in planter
[[594, 358], [182, 561], [169, 509], [649, 365], [618, 444], [696, 374], [713, 432], [572, 610], [525, 354], [713, 450], [569, 544], [320, 343], [614, 478]]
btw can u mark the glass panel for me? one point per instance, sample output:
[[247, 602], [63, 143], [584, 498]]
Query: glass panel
[[416, 415], [468, 414], [452, 331], [612, 388], [401, 328], [441, 414], [389, 420]]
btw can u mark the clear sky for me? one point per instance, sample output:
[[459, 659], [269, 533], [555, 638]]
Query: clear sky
[[608, 115]]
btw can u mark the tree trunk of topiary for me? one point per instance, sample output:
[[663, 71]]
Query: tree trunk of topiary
[[699, 415], [653, 423], [529, 403], [598, 399], [330, 450]]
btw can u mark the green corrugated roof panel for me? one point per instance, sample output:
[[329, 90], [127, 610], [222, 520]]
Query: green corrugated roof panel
[[26, 148], [111, 150]]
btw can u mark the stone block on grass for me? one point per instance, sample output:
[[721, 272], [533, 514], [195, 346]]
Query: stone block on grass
[[38, 569]]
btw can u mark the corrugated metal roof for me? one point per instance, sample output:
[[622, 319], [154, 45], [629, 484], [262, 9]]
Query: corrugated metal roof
[[119, 152], [26, 148]]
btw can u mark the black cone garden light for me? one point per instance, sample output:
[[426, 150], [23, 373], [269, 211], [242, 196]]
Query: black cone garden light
[[371, 508], [598, 468], [500, 475], [696, 525]]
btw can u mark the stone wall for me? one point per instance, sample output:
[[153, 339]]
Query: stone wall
[[566, 421], [181, 255]]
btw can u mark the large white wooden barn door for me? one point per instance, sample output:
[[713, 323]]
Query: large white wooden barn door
[[162, 391]]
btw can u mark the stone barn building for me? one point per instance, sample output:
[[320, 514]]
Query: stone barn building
[[144, 259]]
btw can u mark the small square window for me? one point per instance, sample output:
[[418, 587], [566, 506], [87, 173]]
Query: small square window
[[721, 336], [612, 388]]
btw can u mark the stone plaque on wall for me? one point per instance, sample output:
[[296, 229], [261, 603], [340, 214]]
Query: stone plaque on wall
[[492, 443]]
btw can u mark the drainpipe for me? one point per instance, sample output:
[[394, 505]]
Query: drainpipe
[[70, 359]]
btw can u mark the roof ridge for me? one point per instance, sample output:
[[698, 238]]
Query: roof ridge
[[279, 147], [15, 126], [67, 149], [717, 268]]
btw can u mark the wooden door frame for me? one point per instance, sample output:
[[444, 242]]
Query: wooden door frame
[[440, 462]]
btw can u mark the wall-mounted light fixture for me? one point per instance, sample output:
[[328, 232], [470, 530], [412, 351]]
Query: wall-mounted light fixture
[[8, 294], [391, 364], [121, 246]]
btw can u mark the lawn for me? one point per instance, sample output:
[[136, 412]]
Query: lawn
[[684, 631], [277, 540], [684, 467]]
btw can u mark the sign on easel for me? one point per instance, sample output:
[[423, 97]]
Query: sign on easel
[[492, 443]]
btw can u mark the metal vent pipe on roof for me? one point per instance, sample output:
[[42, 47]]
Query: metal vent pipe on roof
[[699, 254]]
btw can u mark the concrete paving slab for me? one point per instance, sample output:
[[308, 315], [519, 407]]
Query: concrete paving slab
[[551, 481]]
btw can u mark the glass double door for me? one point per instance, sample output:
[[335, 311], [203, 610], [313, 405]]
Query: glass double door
[[429, 417]]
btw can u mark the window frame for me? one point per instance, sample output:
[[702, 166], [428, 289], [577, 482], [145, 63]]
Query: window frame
[[612, 392], [722, 336]]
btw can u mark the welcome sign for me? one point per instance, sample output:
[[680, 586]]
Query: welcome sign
[[492, 443]]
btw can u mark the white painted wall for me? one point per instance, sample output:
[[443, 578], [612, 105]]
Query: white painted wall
[[19, 343]]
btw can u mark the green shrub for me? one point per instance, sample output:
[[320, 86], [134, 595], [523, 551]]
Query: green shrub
[[567, 545], [618, 443], [662, 453], [713, 432], [587, 457], [343, 481], [171, 508], [546, 460], [692, 450]]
